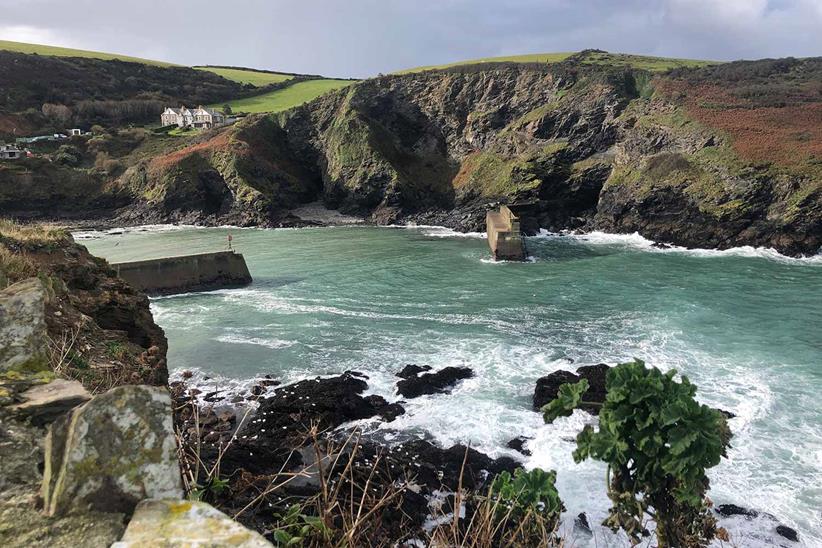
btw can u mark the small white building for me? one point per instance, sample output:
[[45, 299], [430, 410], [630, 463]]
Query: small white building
[[199, 117], [11, 152]]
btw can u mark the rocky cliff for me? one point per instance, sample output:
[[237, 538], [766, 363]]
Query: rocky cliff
[[718, 156], [100, 330]]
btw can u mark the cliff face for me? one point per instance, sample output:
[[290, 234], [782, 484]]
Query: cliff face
[[712, 157]]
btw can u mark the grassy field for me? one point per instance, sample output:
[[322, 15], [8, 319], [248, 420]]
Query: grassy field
[[286, 98], [530, 58], [249, 76], [653, 64], [644, 62], [55, 51]]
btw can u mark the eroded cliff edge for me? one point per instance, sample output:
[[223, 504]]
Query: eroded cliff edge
[[713, 157]]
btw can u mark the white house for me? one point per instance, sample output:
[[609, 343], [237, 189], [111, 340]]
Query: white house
[[198, 117], [11, 152]]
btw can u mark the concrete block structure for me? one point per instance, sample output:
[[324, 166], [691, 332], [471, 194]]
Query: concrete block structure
[[504, 236]]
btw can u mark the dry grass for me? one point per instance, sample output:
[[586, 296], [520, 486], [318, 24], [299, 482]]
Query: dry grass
[[14, 267], [31, 234]]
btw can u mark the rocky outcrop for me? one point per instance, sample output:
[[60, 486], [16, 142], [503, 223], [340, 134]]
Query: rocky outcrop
[[172, 523], [112, 452], [414, 385], [23, 337], [283, 420], [548, 386], [99, 328], [44, 403]]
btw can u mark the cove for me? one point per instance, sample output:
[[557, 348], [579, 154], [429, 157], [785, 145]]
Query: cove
[[744, 325]]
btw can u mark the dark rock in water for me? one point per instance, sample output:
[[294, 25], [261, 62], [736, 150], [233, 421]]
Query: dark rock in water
[[433, 383], [518, 445], [581, 522], [548, 386], [412, 370], [390, 411], [257, 390], [283, 419], [726, 414], [268, 380], [728, 510], [787, 532]]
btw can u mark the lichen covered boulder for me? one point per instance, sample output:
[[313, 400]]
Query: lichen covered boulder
[[171, 523], [111, 453], [23, 341]]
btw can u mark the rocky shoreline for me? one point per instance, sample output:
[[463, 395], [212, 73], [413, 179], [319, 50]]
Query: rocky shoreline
[[83, 364]]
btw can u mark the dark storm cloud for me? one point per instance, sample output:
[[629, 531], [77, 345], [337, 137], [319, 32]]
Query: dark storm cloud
[[364, 37]]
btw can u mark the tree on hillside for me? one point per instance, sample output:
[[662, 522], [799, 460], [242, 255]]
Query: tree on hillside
[[227, 109]]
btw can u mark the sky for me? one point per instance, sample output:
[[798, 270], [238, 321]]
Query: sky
[[360, 38]]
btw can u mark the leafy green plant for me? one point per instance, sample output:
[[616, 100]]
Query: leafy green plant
[[658, 441], [296, 528], [212, 487], [527, 494]]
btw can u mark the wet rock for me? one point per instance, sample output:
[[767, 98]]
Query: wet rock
[[518, 445], [111, 453], [787, 532], [258, 390], [171, 523], [581, 522], [23, 332], [432, 383], [46, 402], [548, 386], [728, 510], [412, 370], [282, 420]]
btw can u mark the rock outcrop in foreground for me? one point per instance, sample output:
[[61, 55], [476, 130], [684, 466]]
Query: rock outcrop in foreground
[[102, 456], [172, 523], [112, 452]]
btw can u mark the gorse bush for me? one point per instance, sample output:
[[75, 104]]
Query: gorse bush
[[658, 441]]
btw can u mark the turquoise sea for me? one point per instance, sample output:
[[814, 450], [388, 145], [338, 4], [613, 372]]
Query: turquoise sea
[[745, 325]]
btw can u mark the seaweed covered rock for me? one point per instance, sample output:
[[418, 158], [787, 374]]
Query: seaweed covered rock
[[23, 335], [111, 453], [170, 523]]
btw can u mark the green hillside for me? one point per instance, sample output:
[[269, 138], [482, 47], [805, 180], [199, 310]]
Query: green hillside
[[55, 51], [590, 57], [249, 76], [283, 99], [528, 58]]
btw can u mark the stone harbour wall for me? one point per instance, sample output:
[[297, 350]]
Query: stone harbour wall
[[202, 272]]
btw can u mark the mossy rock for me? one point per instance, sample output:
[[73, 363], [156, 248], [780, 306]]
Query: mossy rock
[[112, 452], [23, 334]]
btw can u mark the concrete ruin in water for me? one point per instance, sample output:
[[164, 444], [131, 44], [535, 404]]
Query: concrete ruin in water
[[504, 236]]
